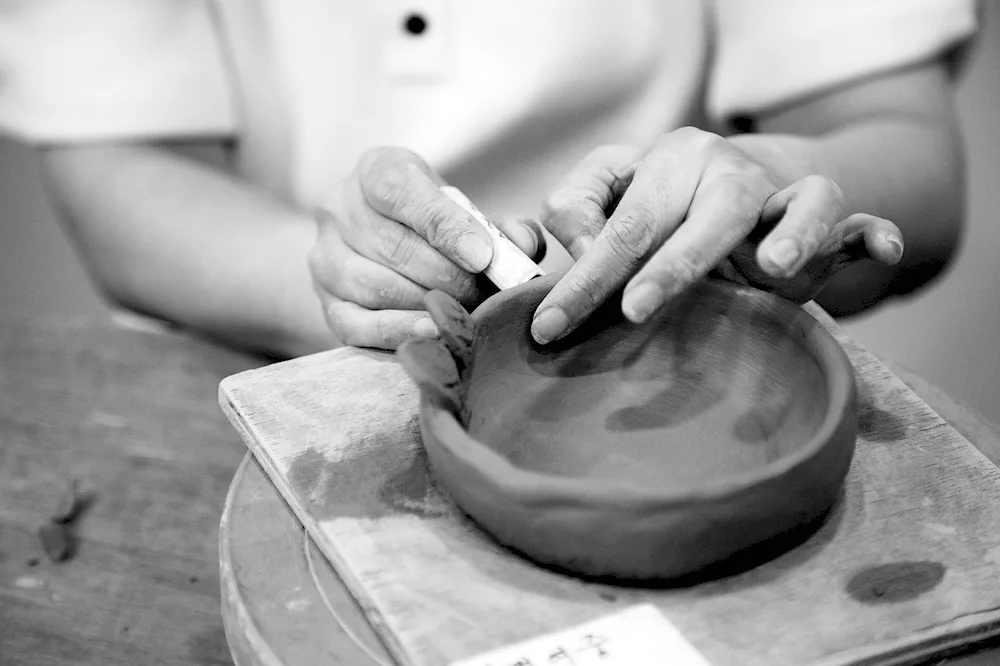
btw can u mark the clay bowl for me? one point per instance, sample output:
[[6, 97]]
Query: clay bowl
[[638, 452]]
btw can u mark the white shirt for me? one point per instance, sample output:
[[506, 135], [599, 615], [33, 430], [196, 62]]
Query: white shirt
[[501, 97]]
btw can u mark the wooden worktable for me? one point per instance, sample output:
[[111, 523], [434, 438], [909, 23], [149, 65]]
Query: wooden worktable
[[134, 416]]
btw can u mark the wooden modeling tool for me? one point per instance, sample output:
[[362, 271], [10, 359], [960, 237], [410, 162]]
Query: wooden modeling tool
[[510, 266]]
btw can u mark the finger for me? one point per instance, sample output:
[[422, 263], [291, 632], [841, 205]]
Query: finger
[[577, 208], [724, 211], [727, 270], [525, 233], [857, 238], [396, 247], [381, 329], [883, 239], [654, 205], [808, 210], [341, 271], [401, 186]]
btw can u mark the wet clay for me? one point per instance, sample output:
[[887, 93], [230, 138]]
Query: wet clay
[[433, 369], [647, 451], [457, 329]]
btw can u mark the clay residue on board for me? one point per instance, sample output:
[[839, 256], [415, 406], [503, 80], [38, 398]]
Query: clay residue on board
[[878, 425], [374, 482], [874, 423], [895, 582], [413, 490]]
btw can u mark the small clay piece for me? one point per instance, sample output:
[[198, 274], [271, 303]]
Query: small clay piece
[[57, 534], [56, 540], [718, 428], [455, 325], [432, 368], [69, 504]]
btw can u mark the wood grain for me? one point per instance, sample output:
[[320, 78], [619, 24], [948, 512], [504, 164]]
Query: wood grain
[[905, 565], [133, 416]]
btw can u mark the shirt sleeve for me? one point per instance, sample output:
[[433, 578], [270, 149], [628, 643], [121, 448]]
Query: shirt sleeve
[[768, 52], [80, 70]]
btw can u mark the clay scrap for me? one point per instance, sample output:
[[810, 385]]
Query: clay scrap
[[57, 535]]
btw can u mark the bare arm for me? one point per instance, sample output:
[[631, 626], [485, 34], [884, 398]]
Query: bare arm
[[185, 242], [893, 146], [176, 239]]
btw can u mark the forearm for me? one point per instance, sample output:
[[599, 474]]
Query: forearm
[[900, 165], [186, 243]]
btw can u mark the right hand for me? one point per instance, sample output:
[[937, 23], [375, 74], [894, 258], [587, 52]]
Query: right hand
[[386, 236]]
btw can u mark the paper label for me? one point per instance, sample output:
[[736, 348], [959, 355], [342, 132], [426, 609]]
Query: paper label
[[637, 636]]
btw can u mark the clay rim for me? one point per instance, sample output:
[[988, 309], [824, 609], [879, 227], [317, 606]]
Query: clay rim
[[539, 489]]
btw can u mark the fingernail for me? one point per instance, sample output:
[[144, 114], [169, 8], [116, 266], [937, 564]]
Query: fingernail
[[477, 250], [535, 241], [549, 324], [785, 254], [425, 328], [641, 301], [897, 246]]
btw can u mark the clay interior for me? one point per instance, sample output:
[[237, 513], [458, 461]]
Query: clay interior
[[716, 386]]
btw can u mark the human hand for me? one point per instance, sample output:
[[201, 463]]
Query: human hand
[[386, 236], [656, 221]]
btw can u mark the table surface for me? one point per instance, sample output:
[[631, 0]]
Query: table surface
[[134, 417]]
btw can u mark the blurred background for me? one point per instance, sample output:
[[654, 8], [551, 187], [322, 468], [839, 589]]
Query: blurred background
[[947, 333]]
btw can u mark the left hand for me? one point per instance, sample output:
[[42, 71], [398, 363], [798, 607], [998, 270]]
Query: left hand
[[661, 219], [386, 235]]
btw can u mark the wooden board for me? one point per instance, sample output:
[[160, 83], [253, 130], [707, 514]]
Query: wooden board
[[907, 564]]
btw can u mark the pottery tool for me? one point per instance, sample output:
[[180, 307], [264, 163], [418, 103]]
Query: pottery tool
[[510, 266], [905, 565]]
